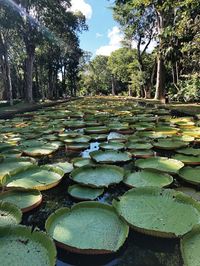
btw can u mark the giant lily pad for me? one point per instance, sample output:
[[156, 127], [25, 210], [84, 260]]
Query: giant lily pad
[[189, 151], [14, 165], [20, 245], [190, 244], [98, 224], [84, 193], [190, 175], [167, 144], [148, 178], [10, 214], [159, 212], [112, 146], [187, 159], [98, 175], [26, 199], [41, 150], [35, 177], [162, 164], [110, 156]]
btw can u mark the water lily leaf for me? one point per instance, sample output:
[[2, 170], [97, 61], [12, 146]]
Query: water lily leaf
[[26, 199], [98, 175], [110, 156], [35, 177], [190, 247], [167, 144], [159, 212], [19, 245], [99, 226], [187, 159], [190, 175], [162, 164], [148, 178], [112, 146], [10, 214], [84, 193]]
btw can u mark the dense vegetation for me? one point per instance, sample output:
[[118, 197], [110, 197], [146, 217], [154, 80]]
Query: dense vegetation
[[40, 55], [173, 66], [39, 49]]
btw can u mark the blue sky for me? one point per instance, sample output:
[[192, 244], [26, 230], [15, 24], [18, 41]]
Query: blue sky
[[103, 35]]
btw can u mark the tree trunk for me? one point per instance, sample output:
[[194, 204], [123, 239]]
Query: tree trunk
[[29, 75], [113, 86], [160, 80], [6, 68]]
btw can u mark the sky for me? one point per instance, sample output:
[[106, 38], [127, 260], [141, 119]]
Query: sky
[[103, 36]]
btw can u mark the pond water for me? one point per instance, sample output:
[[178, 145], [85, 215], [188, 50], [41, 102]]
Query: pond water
[[139, 249]]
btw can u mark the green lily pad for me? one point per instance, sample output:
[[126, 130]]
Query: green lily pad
[[189, 151], [26, 200], [159, 212], [162, 164], [13, 165], [20, 245], [110, 156], [167, 144], [10, 214], [187, 159], [112, 146], [190, 175], [35, 177], [139, 146], [65, 166], [41, 150], [77, 146], [78, 139], [99, 226], [190, 192], [148, 178], [98, 175], [95, 130], [142, 153], [84, 193], [79, 162], [190, 244]]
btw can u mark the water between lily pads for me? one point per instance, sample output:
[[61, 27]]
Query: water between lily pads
[[138, 250]]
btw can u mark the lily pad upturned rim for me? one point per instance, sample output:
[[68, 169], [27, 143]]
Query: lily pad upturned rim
[[99, 191], [86, 168], [169, 193], [21, 190], [187, 237], [87, 204], [154, 159], [188, 177], [12, 209], [34, 235], [142, 174], [56, 170], [127, 156]]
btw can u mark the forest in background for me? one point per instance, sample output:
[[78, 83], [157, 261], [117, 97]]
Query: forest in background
[[40, 56]]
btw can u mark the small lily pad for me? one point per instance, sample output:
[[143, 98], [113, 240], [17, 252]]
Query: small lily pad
[[84, 193]]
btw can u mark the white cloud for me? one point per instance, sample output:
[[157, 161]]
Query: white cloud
[[150, 48], [81, 5], [115, 37], [99, 35]]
